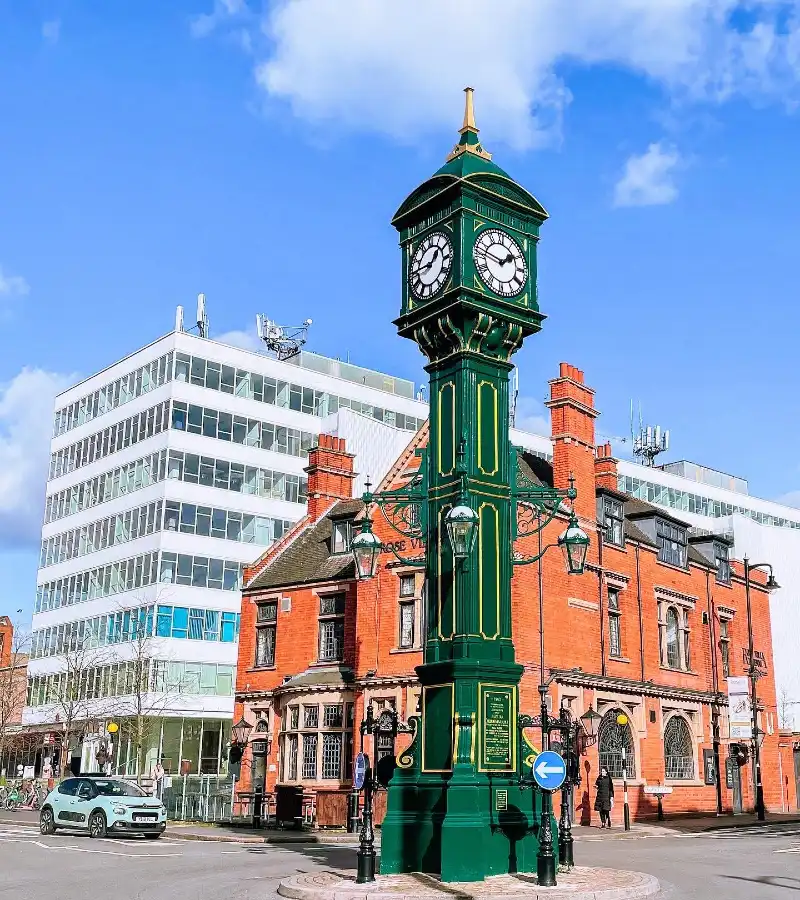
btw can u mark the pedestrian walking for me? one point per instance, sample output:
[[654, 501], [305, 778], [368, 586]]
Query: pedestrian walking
[[157, 775], [604, 797]]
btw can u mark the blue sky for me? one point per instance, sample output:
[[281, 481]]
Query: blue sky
[[257, 153]]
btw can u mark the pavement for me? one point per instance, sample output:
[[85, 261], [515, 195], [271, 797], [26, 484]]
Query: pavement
[[753, 862]]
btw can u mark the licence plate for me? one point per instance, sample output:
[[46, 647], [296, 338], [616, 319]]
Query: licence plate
[[144, 817]]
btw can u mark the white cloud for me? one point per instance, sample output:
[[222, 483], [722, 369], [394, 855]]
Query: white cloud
[[12, 285], [531, 416], [51, 31], [397, 68], [792, 498], [648, 178], [26, 421], [246, 339], [223, 11]]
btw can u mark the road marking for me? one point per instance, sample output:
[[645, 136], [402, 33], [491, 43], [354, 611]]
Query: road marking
[[788, 850], [37, 843]]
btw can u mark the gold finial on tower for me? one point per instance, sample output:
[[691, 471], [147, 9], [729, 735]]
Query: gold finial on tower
[[469, 112], [469, 143]]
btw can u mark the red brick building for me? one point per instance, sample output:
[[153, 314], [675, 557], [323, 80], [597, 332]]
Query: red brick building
[[652, 629]]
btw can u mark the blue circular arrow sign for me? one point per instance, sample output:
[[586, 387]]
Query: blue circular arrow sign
[[549, 771], [360, 771]]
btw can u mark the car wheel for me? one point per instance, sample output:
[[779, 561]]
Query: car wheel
[[97, 824], [47, 824], [153, 837]]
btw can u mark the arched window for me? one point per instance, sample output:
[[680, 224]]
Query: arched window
[[611, 741], [261, 726], [678, 756], [673, 648]]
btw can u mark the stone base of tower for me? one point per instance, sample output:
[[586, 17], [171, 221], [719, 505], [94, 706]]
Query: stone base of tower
[[455, 806], [455, 831]]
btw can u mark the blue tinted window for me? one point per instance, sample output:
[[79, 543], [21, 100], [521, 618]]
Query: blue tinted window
[[229, 627], [180, 622], [164, 621]]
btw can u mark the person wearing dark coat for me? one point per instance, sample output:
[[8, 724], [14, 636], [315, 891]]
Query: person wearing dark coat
[[604, 797]]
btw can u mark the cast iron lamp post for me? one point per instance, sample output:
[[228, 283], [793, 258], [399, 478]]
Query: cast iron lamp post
[[240, 732], [574, 543], [753, 674]]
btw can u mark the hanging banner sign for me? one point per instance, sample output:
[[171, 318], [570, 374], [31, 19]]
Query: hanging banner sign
[[740, 710]]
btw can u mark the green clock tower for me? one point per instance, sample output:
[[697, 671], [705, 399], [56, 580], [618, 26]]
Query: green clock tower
[[469, 236]]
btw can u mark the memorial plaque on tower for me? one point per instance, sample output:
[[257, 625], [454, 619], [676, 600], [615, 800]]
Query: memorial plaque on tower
[[498, 746]]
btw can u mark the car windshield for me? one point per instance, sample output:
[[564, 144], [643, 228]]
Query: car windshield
[[117, 788]]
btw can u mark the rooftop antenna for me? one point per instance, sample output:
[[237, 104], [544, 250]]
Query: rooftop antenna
[[202, 318], [421, 393], [512, 412], [179, 319], [284, 341], [650, 441]]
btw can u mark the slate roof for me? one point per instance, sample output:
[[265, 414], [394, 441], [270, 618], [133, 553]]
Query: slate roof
[[308, 558]]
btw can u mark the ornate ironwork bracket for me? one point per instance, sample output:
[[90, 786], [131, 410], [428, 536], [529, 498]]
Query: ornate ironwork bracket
[[404, 509], [533, 508]]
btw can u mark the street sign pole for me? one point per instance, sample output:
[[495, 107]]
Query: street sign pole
[[549, 772]]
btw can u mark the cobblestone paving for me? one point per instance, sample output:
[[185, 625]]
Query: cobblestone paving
[[579, 884]]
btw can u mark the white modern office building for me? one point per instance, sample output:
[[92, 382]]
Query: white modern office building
[[169, 471]]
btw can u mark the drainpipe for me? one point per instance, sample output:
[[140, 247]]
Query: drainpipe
[[715, 684], [600, 582], [641, 617]]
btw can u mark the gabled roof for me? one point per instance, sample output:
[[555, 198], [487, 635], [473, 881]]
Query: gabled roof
[[308, 558]]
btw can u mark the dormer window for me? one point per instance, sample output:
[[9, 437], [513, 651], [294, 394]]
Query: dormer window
[[722, 562], [342, 536], [612, 522], [671, 541]]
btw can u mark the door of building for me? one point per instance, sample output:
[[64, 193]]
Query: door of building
[[736, 779], [797, 778], [733, 782]]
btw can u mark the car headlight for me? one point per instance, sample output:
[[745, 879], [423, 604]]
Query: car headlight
[[119, 810], [163, 810]]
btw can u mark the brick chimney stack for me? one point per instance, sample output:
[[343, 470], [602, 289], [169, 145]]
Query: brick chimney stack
[[605, 468], [330, 475], [572, 415]]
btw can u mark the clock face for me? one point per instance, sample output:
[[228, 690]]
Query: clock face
[[430, 265], [500, 262]]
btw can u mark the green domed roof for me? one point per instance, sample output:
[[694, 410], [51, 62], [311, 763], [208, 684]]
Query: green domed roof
[[469, 161]]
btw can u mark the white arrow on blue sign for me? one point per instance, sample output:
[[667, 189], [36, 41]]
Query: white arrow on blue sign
[[549, 771], [359, 771]]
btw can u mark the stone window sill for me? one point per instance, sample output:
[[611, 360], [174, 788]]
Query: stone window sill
[[678, 671], [685, 782], [406, 650], [262, 668], [621, 659], [675, 568]]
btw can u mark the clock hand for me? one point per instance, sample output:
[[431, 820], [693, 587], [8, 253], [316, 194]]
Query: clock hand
[[502, 262], [428, 265]]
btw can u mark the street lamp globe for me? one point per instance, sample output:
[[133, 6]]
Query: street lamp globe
[[240, 732], [771, 584], [462, 529], [591, 721], [574, 543], [366, 547]]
